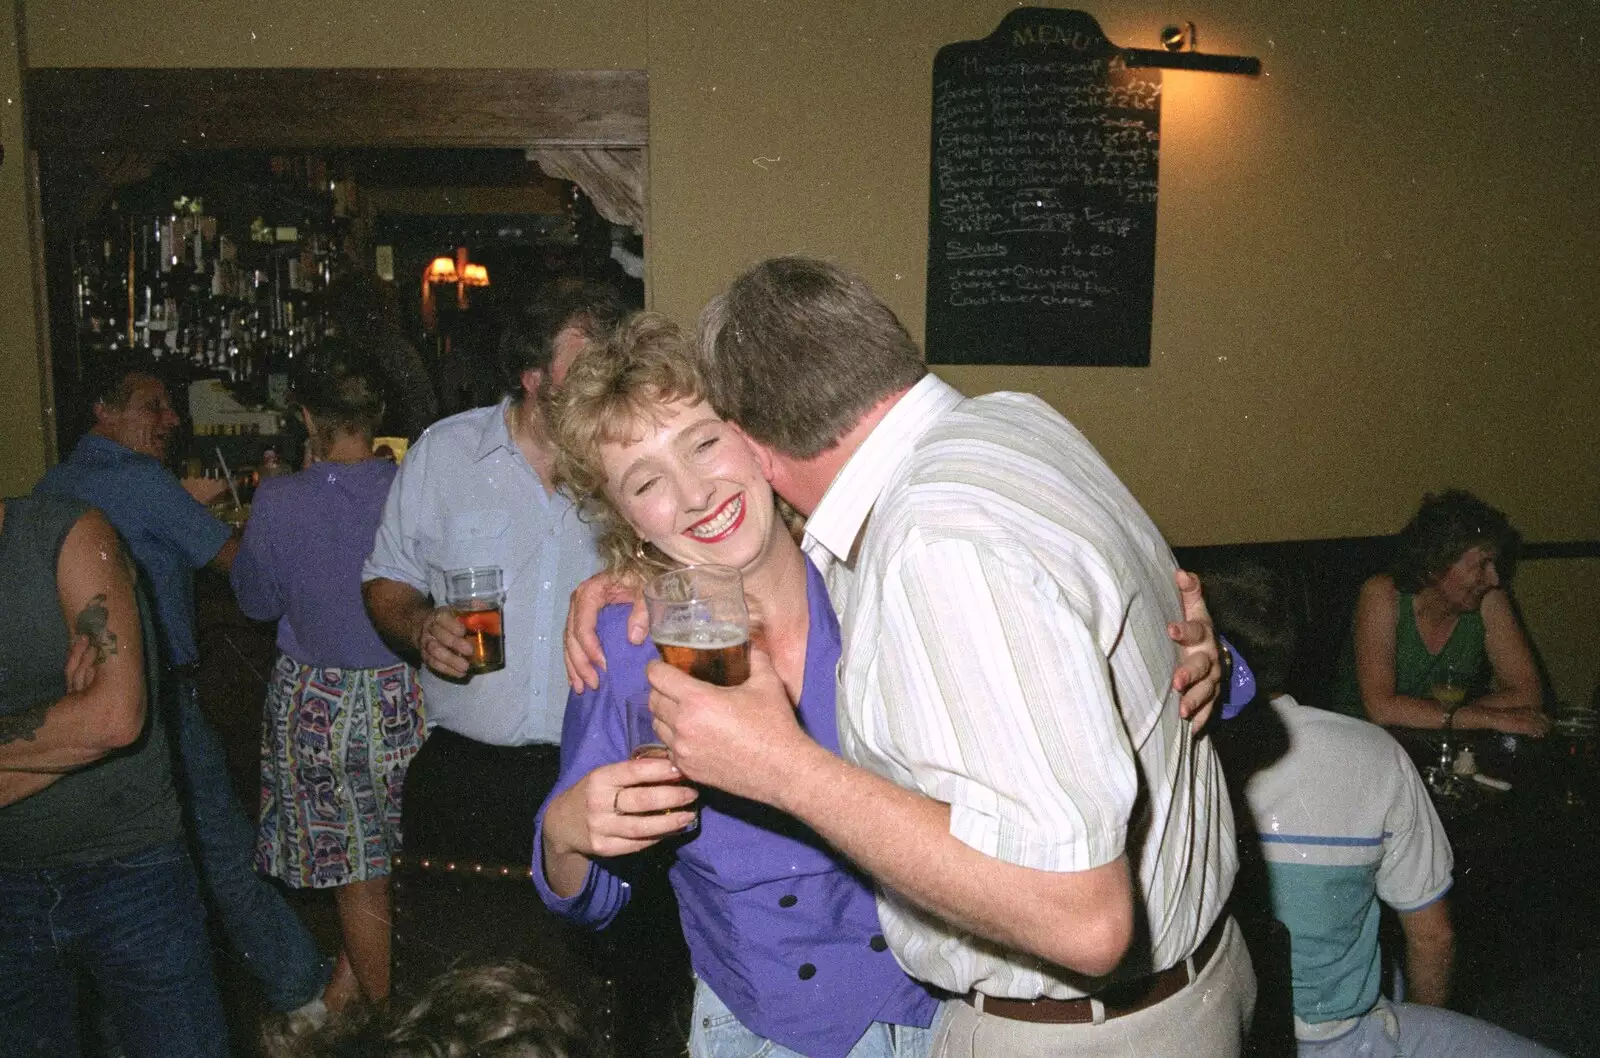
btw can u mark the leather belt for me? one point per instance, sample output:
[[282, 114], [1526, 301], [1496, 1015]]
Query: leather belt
[[1119, 1000]]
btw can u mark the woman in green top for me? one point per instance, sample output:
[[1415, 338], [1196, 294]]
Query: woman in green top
[[1439, 619]]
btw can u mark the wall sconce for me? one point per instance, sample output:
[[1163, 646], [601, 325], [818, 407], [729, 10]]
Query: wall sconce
[[1177, 52], [455, 271], [441, 270]]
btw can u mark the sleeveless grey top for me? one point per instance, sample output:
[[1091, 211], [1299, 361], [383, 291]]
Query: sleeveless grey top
[[119, 805]]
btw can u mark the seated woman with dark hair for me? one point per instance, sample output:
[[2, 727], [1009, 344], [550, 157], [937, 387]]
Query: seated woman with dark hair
[[1440, 619]]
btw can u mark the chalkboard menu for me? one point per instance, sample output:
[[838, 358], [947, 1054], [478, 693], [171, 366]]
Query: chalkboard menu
[[1042, 203]]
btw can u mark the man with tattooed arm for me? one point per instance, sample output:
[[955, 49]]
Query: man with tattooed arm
[[94, 874], [118, 467]]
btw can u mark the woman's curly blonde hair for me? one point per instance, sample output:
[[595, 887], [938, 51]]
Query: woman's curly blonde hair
[[613, 388]]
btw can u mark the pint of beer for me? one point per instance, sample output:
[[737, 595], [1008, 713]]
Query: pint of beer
[[477, 597], [699, 623], [718, 654]]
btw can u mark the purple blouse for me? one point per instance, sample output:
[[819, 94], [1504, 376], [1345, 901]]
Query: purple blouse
[[300, 562], [782, 928]]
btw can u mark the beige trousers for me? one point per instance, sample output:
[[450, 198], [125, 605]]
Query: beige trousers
[[1208, 1019]]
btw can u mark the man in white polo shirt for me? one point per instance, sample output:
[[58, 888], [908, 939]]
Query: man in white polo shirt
[[1344, 824], [1052, 844]]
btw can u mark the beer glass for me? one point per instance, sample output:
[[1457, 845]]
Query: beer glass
[[699, 623], [638, 725], [477, 597]]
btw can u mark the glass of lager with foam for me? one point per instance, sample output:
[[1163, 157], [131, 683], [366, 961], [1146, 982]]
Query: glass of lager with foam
[[699, 622]]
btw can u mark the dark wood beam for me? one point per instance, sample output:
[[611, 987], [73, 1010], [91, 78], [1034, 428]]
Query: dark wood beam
[[81, 109]]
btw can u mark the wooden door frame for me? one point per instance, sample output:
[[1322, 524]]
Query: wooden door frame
[[88, 109]]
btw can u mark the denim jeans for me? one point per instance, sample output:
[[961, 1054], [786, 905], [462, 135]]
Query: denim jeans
[[137, 926], [261, 928], [714, 1032]]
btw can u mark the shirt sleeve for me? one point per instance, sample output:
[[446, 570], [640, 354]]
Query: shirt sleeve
[[396, 550], [1417, 861], [591, 736], [1000, 703], [179, 518], [255, 574]]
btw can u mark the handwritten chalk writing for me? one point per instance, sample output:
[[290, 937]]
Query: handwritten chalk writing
[[1046, 33], [1043, 184], [959, 251]]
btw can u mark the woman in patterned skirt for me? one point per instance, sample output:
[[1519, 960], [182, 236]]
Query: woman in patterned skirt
[[343, 715]]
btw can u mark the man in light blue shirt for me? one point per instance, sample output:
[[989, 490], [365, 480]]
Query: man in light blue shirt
[[475, 491], [470, 493], [168, 532]]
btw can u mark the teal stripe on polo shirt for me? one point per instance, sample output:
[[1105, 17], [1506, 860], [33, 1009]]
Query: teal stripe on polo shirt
[[1332, 915]]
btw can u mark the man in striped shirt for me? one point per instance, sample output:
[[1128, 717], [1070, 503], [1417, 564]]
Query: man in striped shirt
[[1052, 844]]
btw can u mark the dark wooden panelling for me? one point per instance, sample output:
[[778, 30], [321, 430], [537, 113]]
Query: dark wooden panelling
[[169, 109]]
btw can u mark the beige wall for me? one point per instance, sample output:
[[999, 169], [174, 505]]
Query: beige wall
[[1560, 603], [25, 437], [1375, 270]]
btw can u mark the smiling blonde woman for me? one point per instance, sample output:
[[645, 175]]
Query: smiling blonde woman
[[782, 933]]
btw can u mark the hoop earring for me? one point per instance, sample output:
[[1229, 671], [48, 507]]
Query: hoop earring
[[638, 550]]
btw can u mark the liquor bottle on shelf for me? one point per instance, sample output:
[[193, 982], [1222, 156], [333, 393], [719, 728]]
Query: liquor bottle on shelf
[[232, 295]]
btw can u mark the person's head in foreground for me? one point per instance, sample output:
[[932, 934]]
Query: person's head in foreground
[[499, 1010], [1253, 608], [1455, 548], [642, 451]]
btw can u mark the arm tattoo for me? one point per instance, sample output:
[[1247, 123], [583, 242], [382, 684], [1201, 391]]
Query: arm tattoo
[[92, 621], [23, 725]]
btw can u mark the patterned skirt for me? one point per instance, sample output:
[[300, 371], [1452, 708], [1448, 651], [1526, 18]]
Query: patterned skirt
[[334, 748]]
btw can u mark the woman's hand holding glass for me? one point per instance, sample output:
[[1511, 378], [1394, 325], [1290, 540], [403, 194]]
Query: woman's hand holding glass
[[623, 808]]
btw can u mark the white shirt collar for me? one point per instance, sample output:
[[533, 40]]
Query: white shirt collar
[[840, 516]]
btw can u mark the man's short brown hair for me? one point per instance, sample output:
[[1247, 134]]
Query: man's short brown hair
[[797, 350]]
